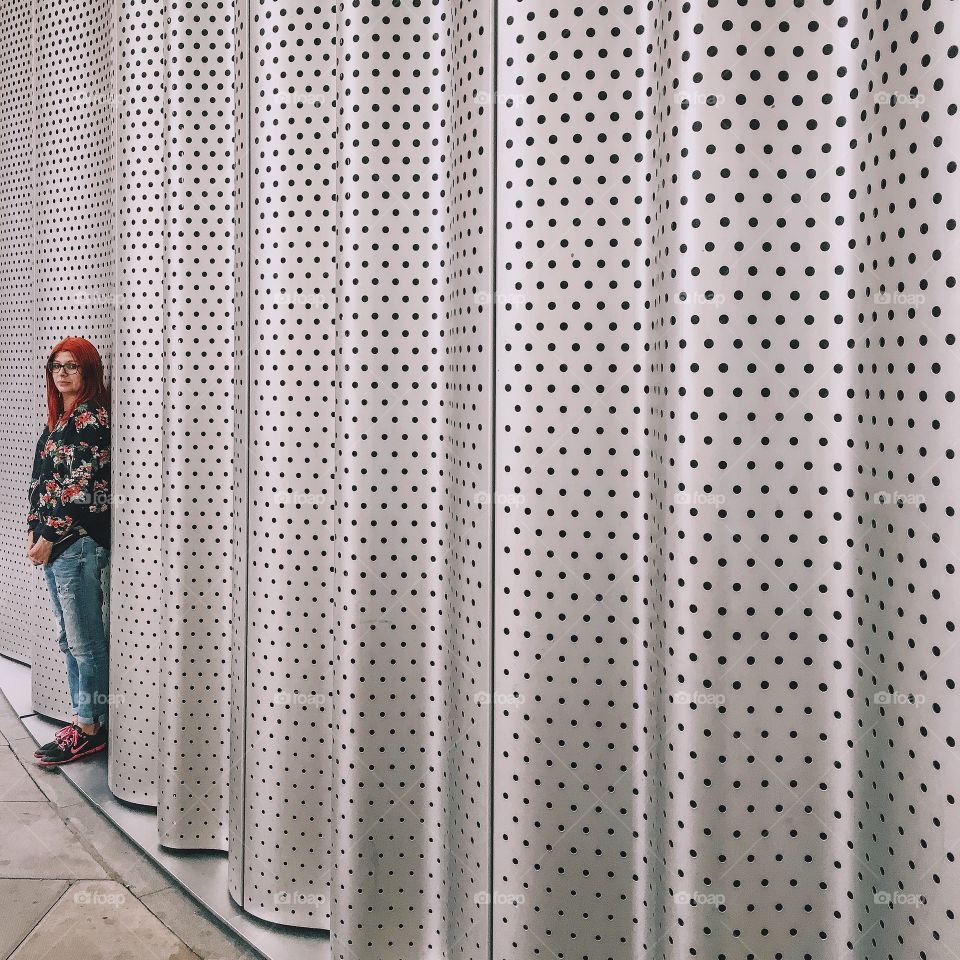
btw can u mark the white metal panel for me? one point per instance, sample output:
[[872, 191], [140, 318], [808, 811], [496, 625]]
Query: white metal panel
[[73, 211]]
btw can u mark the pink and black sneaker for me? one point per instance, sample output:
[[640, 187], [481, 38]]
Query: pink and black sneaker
[[76, 744], [54, 745]]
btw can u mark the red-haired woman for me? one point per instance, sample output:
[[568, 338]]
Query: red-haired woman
[[69, 536]]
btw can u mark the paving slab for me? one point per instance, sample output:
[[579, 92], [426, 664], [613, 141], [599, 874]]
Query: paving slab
[[204, 938], [114, 851], [23, 904], [101, 920], [15, 782], [50, 780], [10, 725], [36, 844], [18, 690]]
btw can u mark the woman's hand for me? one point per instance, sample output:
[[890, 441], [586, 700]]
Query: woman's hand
[[38, 552]]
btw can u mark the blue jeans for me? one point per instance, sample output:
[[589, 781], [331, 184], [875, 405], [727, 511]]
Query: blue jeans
[[79, 585]]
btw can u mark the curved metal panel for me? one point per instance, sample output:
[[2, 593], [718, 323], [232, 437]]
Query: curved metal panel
[[74, 217], [139, 604], [712, 622], [197, 481], [24, 608], [411, 840], [241, 378], [901, 652], [288, 549], [571, 409], [664, 668]]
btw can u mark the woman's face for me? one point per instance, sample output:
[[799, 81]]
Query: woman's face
[[67, 383]]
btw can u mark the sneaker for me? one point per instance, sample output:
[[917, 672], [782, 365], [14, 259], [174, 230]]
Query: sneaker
[[76, 744], [59, 738]]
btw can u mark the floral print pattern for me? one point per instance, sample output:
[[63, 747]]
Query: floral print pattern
[[70, 484]]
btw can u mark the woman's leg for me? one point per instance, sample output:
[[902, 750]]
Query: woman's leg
[[78, 573], [72, 670]]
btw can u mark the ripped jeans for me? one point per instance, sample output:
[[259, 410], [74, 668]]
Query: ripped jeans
[[79, 584]]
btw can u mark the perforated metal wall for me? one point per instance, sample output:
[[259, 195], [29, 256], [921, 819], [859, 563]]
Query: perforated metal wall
[[136, 562], [538, 467], [56, 268], [23, 612], [572, 484], [285, 539], [901, 651], [241, 407], [74, 218], [197, 481], [413, 491], [797, 624], [170, 665]]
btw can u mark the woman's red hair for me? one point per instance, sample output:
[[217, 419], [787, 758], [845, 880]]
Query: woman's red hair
[[91, 370]]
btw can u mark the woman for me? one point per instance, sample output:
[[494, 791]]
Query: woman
[[69, 536]]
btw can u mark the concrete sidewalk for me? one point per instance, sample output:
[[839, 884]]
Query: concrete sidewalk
[[72, 887]]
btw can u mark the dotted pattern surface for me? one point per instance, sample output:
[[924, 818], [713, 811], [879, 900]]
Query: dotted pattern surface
[[711, 708], [139, 605], [242, 262], [571, 413], [24, 610], [197, 481], [72, 200], [795, 640], [413, 490], [284, 578], [896, 789]]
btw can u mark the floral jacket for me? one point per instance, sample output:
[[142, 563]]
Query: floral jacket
[[70, 486]]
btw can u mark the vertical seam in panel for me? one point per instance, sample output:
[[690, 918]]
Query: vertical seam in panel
[[34, 177], [115, 364], [114, 333], [166, 75], [493, 460], [244, 195], [34, 250], [34, 53]]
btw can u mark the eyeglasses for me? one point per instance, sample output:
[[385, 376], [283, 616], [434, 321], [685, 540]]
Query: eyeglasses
[[69, 367]]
